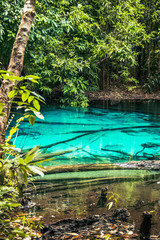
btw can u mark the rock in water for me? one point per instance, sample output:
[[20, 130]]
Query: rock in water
[[103, 197], [120, 214], [145, 228]]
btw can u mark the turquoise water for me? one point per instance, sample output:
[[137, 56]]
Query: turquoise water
[[94, 135]]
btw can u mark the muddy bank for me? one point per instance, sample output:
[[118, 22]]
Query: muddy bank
[[100, 227], [95, 227], [117, 94]]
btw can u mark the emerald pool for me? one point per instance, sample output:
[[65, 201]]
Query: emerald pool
[[93, 137], [100, 134]]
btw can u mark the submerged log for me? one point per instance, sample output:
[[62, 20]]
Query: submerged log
[[43, 157], [86, 133], [81, 168]]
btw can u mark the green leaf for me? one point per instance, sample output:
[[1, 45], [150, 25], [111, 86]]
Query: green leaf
[[29, 158], [21, 161], [2, 114], [32, 109], [33, 150], [111, 197], [36, 104], [5, 77], [32, 77], [25, 96], [1, 108], [15, 205], [1, 165], [34, 81], [12, 93], [23, 87], [4, 72], [30, 99], [116, 202], [18, 78], [31, 119], [23, 220]]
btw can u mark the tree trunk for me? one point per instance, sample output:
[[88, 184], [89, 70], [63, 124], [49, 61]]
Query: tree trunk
[[16, 62]]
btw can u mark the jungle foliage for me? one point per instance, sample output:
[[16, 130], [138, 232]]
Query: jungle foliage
[[16, 168], [78, 46]]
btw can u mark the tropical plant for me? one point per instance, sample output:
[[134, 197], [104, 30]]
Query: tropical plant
[[15, 172], [112, 200], [15, 167]]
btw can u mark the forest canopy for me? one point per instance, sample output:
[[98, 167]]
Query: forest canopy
[[77, 46]]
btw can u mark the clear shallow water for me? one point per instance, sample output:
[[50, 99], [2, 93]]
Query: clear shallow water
[[95, 135], [73, 201]]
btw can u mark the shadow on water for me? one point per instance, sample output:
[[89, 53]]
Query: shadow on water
[[145, 106]]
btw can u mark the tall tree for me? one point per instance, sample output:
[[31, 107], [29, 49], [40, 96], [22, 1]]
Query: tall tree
[[16, 62]]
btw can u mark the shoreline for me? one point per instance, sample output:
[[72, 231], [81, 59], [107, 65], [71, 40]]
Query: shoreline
[[117, 94]]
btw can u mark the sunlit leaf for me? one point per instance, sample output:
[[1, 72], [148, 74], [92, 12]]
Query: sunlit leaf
[[30, 99], [32, 77], [39, 115], [29, 158], [36, 104], [33, 150], [25, 96], [38, 96], [36, 170], [21, 161], [33, 80], [1, 109], [109, 205], [12, 93]]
